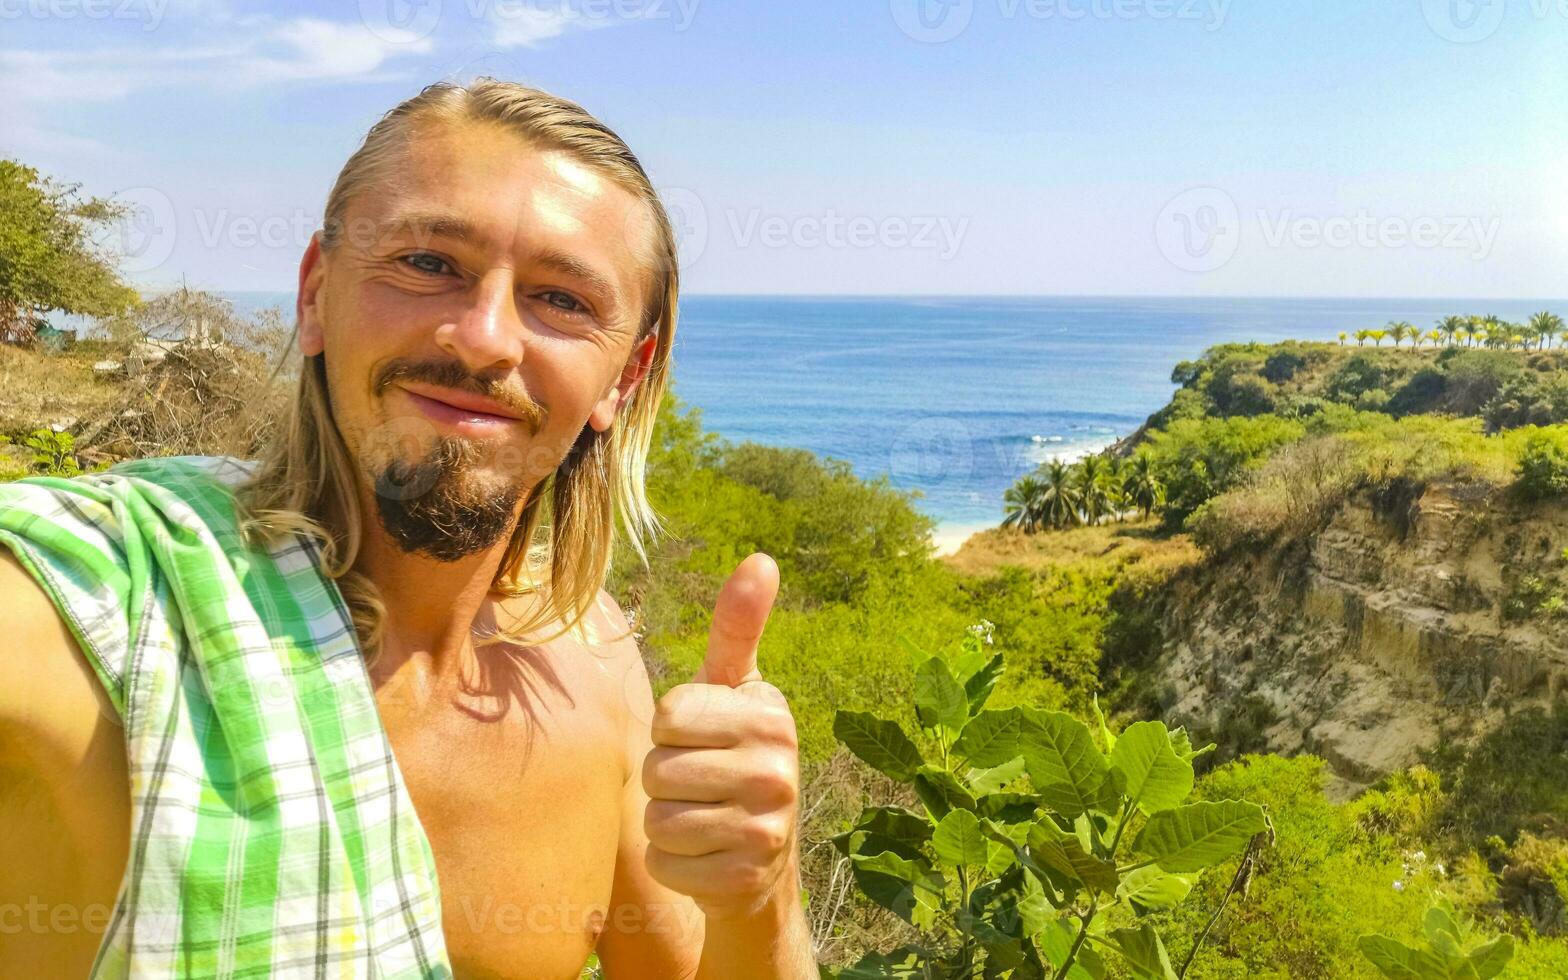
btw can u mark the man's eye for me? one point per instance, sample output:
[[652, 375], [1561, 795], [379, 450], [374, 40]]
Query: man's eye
[[563, 301], [426, 262]]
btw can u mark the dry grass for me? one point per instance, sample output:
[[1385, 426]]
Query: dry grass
[[42, 389], [1139, 543]]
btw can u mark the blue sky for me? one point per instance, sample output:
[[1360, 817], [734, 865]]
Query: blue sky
[[1208, 147]]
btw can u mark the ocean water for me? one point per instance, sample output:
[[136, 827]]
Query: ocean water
[[956, 397]]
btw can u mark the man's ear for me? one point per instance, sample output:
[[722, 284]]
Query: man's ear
[[637, 366], [307, 307]]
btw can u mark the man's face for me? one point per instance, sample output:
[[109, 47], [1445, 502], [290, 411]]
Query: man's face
[[478, 313]]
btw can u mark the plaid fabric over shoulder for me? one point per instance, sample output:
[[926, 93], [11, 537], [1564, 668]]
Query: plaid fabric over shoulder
[[272, 834]]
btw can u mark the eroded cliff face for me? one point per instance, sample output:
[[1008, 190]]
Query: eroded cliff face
[[1416, 616]]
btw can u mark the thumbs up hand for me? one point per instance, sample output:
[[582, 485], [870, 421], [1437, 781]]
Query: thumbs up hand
[[723, 775]]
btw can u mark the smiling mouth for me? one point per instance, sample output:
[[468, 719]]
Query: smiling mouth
[[458, 407]]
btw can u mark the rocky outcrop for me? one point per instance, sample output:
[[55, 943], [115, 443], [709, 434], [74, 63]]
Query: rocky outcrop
[[1416, 616]]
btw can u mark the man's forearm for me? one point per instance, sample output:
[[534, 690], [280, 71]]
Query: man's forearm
[[773, 943]]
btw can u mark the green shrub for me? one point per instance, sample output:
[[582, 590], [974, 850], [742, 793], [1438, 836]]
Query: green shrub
[[1036, 853], [1543, 466], [1197, 459]]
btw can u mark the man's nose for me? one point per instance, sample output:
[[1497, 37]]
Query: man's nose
[[487, 333]]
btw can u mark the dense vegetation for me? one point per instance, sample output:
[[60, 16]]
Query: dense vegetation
[[863, 605]]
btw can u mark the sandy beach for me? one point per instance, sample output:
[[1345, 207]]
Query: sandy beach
[[950, 537]]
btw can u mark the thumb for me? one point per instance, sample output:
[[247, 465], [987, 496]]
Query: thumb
[[739, 614]]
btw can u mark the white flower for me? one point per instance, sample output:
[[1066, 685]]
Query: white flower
[[1399, 886]]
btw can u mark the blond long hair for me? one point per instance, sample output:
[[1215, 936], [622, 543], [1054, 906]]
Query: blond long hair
[[306, 481]]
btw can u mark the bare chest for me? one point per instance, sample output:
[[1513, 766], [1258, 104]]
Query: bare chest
[[523, 812]]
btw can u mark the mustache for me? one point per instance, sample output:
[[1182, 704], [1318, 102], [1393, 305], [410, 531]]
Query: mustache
[[451, 374]]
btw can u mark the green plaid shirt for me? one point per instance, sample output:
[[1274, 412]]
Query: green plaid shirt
[[271, 832]]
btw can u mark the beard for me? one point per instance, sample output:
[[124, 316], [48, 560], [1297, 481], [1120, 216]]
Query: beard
[[433, 506], [437, 504]]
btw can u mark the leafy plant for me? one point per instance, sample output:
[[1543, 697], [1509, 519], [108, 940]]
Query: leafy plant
[[1444, 957], [1037, 854], [54, 453]]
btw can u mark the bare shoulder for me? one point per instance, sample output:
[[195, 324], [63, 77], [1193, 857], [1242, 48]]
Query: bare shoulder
[[64, 791], [51, 702]]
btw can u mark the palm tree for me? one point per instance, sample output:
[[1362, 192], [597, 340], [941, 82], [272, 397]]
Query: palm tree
[[1395, 331], [1435, 336], [1546, 326], [1059, 499], [1477, 328], [1342, 338], [1492, 332], [1451, 327], [1142, 486], [1377, 337], [1021, 504], [1094, 498]]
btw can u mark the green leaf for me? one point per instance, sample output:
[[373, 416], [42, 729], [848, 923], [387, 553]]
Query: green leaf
[[938, 698], [1008, 807], [1065, 852], [1489, 959], [1439, 922], [881, 743], [1398, 961], [1057, 938], [909, 889], [969, 659], [1105, 730], [1182, 744], [1012, 903], [896, 822], [1067, 769], [978, 686], [1200, 835], [866, 843], [1143, 952], [1156, 777], [990, 738], [958, 839], [917, 656], [904, 963], [993, 779], [941, 791], [1150, 889]]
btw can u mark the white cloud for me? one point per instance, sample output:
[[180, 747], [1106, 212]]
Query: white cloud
[[527, 25]]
